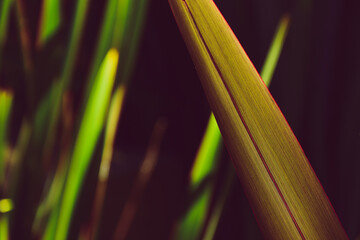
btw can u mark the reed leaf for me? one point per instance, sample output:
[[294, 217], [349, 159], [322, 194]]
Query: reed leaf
[[90, 129], [115, 110], [282, 188], [266, 74]]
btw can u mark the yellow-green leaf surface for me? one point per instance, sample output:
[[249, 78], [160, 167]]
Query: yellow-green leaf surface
[[116, 106], [90, 129], [268, 69], [283, 190], [6, 205], [6, 98]]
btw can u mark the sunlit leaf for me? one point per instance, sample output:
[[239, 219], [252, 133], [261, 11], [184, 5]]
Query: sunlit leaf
[[284, 192], [274, 51], [204, 167], [131, 33], [104, 41], [205, 162], [5, 7], [104, 170], [90, 129], [6, 98]]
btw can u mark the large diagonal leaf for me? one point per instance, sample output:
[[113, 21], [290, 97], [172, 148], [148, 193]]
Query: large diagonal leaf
[[283, 190]]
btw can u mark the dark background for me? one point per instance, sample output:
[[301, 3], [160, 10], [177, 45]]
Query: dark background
[[316, 85]]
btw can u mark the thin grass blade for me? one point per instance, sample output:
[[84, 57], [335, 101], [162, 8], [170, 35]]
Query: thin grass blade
[[123, 25], [59, 86], [5, 7], [215, 215], [90, 129], [50, 20], [284, 192], [52, 191], [6, 99], [6, 206], [111, 126], [104, 41]]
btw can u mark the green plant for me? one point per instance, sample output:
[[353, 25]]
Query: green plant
[[99, 127]]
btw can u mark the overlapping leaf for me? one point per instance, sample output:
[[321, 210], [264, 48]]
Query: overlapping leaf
[[284, 192]]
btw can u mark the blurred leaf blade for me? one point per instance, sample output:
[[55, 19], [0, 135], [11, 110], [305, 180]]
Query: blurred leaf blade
[[6, 98], [50, 20], [204, 167], [275, 50], [115, 110], [207, 154], [5, 7], [122, 15], [130, 30], [74, 41], [6, 205], [271, 62], [264, 150], [91, 126]]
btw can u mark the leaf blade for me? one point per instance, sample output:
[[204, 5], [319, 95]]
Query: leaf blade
[[91, 126], [288, 199]]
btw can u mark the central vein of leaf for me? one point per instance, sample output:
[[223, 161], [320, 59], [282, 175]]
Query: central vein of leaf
[[245, 125]]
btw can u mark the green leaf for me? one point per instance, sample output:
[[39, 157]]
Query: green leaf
[[206, 161], [281, 186], [6, 98], [91, 126]]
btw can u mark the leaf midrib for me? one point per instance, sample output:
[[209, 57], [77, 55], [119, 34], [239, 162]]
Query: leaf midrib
[[244, 122]]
